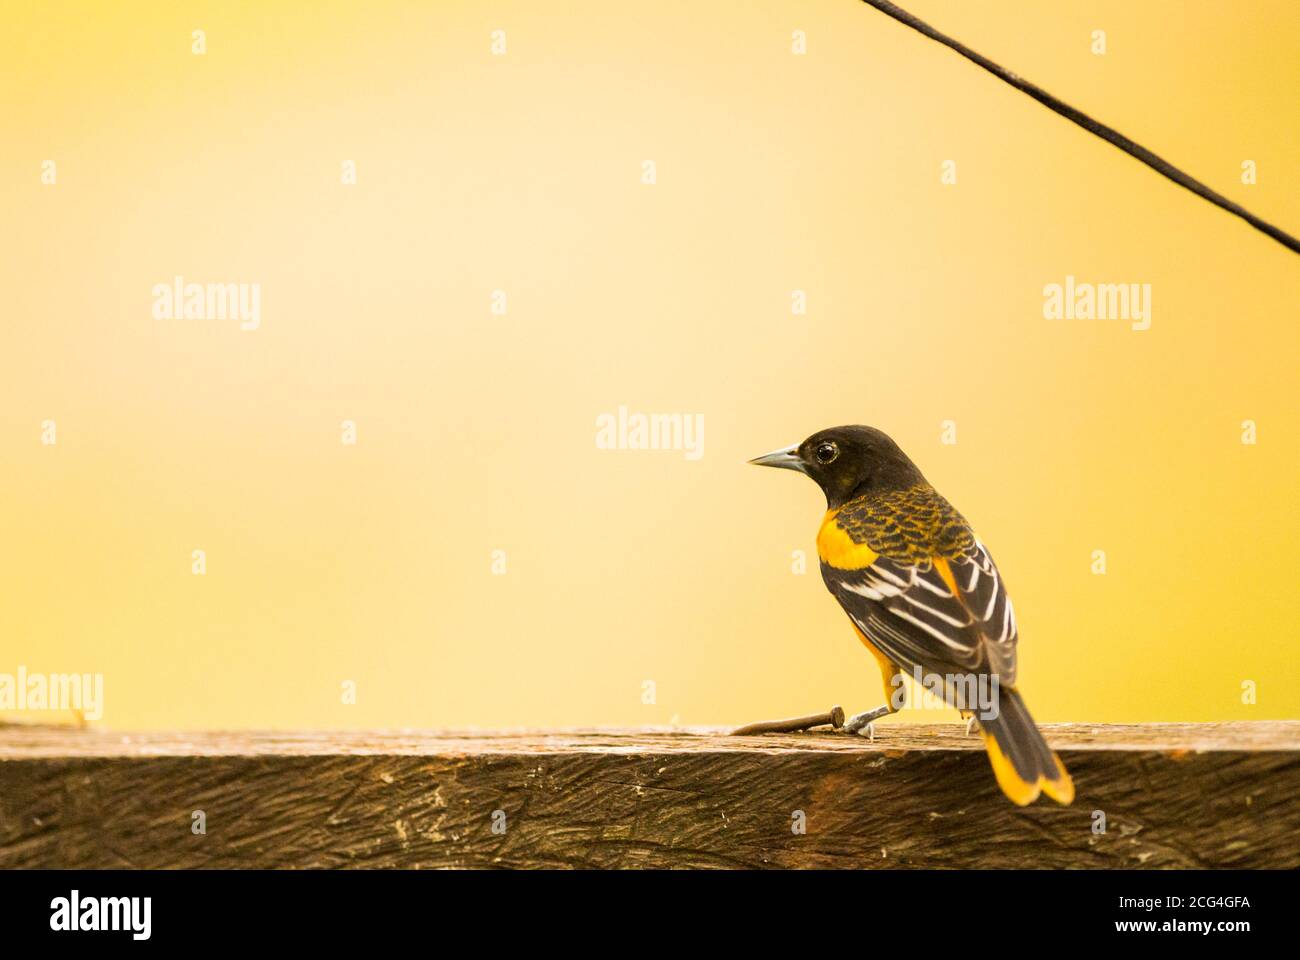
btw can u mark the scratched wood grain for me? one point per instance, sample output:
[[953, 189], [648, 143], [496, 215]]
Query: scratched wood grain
[[1173, 795]]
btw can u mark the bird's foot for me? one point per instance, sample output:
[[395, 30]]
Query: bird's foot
[[864, 724]]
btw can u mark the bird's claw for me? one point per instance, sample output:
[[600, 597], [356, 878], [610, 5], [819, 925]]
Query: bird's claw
[[864, 724]]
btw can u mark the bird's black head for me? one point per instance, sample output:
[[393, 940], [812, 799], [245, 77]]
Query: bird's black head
[[846, 462]]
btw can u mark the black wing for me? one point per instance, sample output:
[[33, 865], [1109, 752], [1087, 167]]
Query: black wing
[[912, 615]]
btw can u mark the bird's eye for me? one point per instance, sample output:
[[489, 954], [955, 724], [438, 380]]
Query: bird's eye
[[826, 452]]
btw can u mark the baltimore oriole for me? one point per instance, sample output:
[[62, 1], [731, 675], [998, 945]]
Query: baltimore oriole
[[924, 596]]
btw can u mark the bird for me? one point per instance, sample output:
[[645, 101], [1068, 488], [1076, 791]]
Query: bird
[[924, 596]]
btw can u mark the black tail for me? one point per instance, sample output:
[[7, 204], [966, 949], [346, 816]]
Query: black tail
[[1022, 761]]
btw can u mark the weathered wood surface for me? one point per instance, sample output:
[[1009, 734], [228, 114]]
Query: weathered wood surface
[[1173, 795]]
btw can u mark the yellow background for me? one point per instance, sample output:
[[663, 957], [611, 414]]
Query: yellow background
[[522, 172]]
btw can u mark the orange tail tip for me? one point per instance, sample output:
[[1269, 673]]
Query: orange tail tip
[[1062, 788], [1020, 791]]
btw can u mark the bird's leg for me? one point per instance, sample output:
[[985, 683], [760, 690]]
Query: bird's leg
[[864, 723], [895, 700]]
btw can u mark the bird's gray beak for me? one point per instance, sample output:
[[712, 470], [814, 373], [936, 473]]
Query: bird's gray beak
[[787, 459]]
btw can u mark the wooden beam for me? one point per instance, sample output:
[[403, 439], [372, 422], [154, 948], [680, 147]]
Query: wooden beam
[[1172, 795]]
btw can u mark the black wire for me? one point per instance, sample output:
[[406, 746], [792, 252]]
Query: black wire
[[1108, 134]]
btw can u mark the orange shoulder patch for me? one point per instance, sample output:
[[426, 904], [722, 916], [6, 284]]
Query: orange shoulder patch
[[837, 548]]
